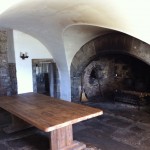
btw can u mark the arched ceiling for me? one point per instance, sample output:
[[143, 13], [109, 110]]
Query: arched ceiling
[[75, 36], [47, 19], [50, 21]]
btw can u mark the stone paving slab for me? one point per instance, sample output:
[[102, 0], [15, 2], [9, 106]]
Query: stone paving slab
[[118, 123], [101, 128], [100, 141], [146, 143], [127, 137], [136, 129], [3, 147]]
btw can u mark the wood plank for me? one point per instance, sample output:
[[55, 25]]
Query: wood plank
[[47, 113], [61, 139]]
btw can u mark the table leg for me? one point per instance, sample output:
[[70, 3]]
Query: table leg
[[16, 125], [62, 139]]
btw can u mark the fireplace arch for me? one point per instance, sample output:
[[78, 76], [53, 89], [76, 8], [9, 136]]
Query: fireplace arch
[[112, 43]]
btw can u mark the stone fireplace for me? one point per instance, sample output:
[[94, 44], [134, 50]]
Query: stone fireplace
[[110, 63]]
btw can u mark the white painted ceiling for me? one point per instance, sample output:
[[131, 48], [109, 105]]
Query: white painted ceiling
[[63, 26]]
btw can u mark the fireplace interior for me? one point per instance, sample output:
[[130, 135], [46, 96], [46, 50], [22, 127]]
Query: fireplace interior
[[118, 77]]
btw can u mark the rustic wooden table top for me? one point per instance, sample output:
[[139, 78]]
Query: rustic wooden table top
[[47, 113]]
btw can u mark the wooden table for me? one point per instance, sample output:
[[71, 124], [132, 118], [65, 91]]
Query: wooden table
[[49, 115]]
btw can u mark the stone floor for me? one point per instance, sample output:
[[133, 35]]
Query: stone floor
[[122, 127]]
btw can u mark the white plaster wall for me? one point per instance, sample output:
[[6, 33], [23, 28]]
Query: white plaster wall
[[25, 43]]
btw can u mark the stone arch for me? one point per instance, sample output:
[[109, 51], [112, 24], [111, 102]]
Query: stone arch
[[114, 42]]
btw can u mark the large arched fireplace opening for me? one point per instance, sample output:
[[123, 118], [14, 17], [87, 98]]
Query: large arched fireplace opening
[[113, 67]]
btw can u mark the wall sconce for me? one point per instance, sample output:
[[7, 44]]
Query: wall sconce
[[23, 55]]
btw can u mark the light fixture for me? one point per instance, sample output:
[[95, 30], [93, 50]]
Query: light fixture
[[23, 55]]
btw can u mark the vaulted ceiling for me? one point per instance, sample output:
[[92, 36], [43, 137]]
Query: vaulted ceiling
[[63, 26]]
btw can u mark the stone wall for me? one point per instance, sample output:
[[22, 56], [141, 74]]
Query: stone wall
[[8, 81], [5, 84], [112, 43], [13, 78]]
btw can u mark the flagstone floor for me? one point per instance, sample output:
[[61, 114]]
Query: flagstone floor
[[120, 128]]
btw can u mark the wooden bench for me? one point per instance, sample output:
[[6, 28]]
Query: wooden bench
[[49, 115]]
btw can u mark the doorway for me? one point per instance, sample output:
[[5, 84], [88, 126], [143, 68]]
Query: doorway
[[45, 77]]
